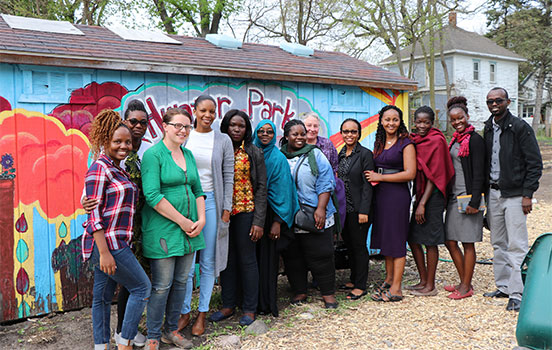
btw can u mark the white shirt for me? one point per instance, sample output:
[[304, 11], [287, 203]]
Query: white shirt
[[201, 145]]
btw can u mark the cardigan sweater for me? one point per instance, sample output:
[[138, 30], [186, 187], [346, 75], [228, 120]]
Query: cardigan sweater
[[473, 167]]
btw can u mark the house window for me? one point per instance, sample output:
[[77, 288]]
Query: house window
[[492, 72], [476, 68], [528, 111]]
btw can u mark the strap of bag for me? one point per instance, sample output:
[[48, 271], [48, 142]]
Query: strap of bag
[[297, 166]]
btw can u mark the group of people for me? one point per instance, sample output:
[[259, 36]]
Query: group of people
[[238, 201]]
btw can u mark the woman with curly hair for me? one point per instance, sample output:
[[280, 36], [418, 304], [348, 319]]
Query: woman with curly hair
[[109, 231], [395, 162]]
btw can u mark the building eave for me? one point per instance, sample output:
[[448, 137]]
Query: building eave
[[459, 52]]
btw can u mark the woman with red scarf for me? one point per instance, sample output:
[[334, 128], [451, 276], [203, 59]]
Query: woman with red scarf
[[467, 150], [433, 174]]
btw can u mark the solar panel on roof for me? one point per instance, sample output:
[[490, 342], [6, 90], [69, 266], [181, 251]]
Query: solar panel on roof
[[41, 25], [143, 35]]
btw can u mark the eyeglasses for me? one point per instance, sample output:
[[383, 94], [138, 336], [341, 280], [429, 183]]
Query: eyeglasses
[[496, 100], [268, 132], [134, 121], [180, 126], [352, 132]]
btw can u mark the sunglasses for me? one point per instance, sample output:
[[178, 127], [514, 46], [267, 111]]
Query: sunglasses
[[262, 132], [180, 126], [134, 121], [352, 132], [496, 100]]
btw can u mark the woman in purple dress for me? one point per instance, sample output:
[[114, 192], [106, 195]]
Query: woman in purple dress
[[395, 161]]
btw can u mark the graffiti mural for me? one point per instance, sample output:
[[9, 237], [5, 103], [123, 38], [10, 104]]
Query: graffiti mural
[[44, 154]]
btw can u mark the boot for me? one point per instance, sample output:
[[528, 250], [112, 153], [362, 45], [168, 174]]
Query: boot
[[183, 321], [199, 325]]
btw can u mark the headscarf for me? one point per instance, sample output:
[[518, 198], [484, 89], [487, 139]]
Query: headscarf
[[282, 195], [464, 140], [433, 161]]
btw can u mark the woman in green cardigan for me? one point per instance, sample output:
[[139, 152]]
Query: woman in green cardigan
[[172, 220]]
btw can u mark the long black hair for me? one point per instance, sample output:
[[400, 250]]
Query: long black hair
[[354, 121], [225, 123], [381, 135], [287, 128]]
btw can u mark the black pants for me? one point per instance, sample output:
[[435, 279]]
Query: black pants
[[314, 252], [355, 235]]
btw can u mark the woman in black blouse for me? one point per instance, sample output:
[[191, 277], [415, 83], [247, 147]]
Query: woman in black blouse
[[354, 160]]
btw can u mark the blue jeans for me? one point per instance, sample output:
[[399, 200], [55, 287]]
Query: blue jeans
[[168, 279], [242, 273], [206, 260], [129, 274]]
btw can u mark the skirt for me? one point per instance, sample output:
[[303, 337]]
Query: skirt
[[432, 231], [462, 227]]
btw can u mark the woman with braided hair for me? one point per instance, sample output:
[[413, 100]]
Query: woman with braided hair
[[395, 162], [109, 229], [467, 150]]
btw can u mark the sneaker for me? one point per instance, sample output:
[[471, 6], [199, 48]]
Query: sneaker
[[139, 339], [152, 344], [177, 339]]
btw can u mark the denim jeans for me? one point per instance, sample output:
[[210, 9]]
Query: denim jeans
[[242, 266], [168, 279], [129, 274], [206, 260]]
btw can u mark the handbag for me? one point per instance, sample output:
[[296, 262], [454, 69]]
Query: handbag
[[304, 219]]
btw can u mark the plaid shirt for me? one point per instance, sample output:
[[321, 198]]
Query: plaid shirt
[[117, 196]]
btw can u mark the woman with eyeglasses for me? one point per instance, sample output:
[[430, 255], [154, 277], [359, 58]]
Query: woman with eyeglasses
[[240, 279], [173, 218], [354, 160], [214, 157], [281, 209]]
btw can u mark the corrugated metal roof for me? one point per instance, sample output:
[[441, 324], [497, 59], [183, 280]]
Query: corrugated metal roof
[[460, 41], [100, 48]]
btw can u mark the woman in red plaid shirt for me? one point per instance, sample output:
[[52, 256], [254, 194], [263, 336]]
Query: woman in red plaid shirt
[[108, 233]]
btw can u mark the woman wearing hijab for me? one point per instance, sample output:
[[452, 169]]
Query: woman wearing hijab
[[281, 209]]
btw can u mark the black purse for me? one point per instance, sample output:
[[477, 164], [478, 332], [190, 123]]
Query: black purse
[[304, 219]]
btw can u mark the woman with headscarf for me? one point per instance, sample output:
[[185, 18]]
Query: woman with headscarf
[[281, 209]]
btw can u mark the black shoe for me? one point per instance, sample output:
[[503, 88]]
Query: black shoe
[[331, 305], [513, 304], [496, 294]]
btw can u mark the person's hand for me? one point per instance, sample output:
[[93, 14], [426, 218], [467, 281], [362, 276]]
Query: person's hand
[[372, 176], [526, 205], [196, 228], [186, 225], [471, 210], [256, 233], [420, 213], [107, 263], [274, 230], [362, 218], [225, 216], [89, 204], [320, 218]]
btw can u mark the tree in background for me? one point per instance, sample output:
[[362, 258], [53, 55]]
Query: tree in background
[[526, 28]]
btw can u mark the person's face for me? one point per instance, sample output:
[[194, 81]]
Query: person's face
[[350, 133], [178, 129], [205, 113], [120, 145], [313, 127], [423, 123], [265, 134], [459, 119], [137, 121], [497, 103], [297, 137], [236, 129], [391, 121]]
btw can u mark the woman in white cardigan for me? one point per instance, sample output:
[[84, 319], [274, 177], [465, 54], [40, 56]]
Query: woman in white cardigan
[[214, 155]]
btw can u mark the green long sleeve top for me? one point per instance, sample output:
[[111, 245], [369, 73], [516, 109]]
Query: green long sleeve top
[[163, 178]]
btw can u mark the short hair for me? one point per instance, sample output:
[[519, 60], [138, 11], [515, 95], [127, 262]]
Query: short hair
[[304, 116], [172, 111], [457, 102], [427, 110], [225, 123], [287, 128], [135, 105], [354, 121], [501, 88]]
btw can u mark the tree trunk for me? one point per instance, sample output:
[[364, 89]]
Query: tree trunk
[[448, 85], [548, 121], [167, 22], [538, 98]]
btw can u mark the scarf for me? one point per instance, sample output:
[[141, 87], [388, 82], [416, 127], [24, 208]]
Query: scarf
[[282, 195], [433, 161], [305, 150], [464, 140]]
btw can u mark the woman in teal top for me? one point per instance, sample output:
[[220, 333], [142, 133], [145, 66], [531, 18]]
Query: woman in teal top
[[172, 220]]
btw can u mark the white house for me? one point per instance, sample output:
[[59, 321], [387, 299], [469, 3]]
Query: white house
[[527, 96], [475, 64]]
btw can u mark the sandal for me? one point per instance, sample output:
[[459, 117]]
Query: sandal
[[352, 296], [390, 297], [382, 287], [376, 296]]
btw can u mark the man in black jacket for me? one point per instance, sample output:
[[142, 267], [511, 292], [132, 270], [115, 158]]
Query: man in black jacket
[[514, 167]]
